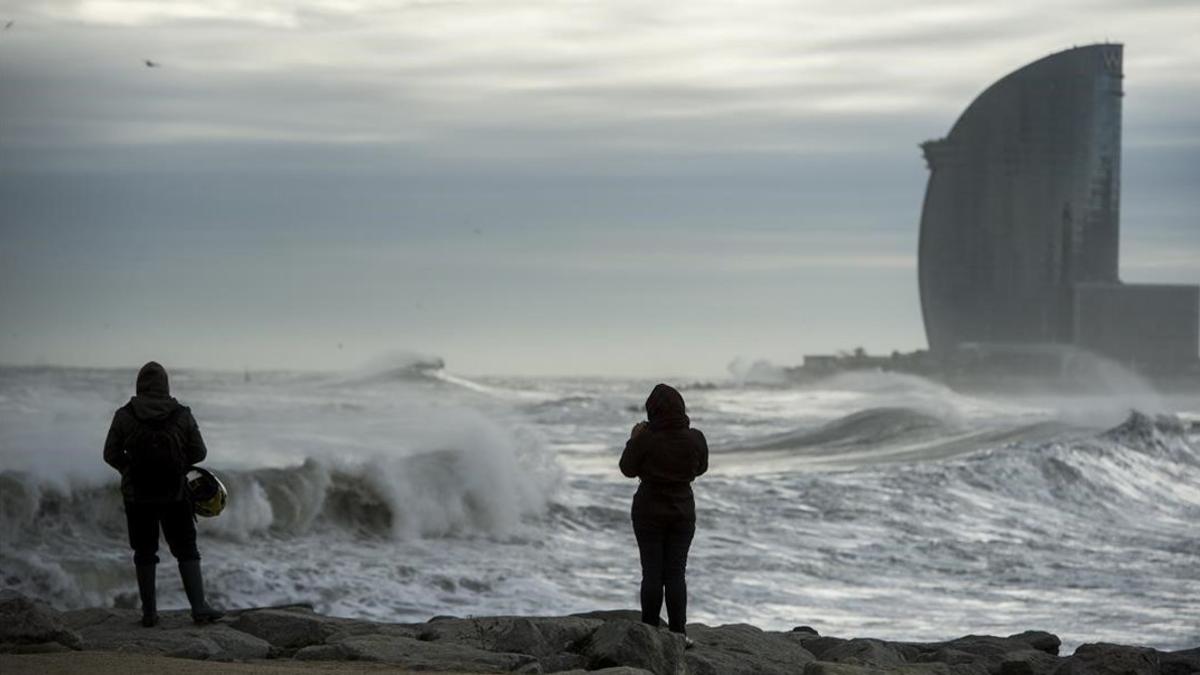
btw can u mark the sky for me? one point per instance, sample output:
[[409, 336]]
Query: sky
[[521, 187]]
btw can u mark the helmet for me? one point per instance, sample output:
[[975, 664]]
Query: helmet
[[208, 493]]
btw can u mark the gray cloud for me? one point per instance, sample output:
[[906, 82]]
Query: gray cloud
[[437, 175]]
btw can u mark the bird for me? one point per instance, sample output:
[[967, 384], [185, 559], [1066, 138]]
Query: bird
[[9, 24], [151, 64]]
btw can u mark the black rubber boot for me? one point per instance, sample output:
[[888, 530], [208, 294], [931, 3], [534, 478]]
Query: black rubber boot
[[145, 579], [193, 585]]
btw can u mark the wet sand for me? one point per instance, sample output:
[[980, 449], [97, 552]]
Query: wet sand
[[65, 663]]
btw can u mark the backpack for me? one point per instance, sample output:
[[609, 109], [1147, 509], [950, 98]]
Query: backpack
[[157, 462]]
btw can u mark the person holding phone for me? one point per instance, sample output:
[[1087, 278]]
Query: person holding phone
[[666, 454]]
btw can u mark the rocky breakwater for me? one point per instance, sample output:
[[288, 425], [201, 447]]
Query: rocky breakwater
[[608, 642]]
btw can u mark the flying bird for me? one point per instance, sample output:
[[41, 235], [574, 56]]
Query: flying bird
[[9, 24], [151, 64]]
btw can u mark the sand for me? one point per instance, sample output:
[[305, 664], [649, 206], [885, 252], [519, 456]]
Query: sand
[[142, 664]]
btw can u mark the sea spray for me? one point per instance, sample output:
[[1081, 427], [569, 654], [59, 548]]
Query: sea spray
[[897, 508]]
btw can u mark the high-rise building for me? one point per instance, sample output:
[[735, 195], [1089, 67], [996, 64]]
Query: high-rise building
[[1020, 227]]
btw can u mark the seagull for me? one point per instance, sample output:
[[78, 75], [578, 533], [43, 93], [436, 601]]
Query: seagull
[[151, 64]]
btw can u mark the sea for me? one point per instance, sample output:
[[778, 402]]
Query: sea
[[868, 504]]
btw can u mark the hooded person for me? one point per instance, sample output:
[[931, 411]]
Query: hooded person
[[666, 454], [152, 441]]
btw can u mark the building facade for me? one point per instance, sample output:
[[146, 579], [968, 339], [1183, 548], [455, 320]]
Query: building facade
[[1020, 226]]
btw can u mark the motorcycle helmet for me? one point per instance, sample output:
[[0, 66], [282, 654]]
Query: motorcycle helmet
[[208, 493]]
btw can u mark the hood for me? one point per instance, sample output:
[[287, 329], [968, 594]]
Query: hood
[[665, 408], [152, 381], [153, 393]]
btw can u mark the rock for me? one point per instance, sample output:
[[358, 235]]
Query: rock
[[617, 670], [1183, 662], [1108, 659], [39, 648], [564, 662], [612, 615], [742, 649], [1032, 661], [632, 643], [1016, 668], [536, 636], [827, 668], [817, 645], [988, 653], [946, 655], [865, 652], [24, 621], [806, 629], [415, 654], [176, 635], [1039, 640], [285, 629]]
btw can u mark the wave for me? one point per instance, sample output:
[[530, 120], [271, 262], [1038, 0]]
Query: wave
[[864, 428], [398, 366], [1142, 470], [447, 492], [887, 435]]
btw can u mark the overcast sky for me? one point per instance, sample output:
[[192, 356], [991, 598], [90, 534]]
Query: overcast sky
[[521, 187]]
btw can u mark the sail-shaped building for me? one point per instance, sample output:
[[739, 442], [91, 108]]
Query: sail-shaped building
[[1020, 226]]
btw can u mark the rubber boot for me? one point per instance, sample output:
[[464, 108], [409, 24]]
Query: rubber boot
[[145, 581], [193, 585]]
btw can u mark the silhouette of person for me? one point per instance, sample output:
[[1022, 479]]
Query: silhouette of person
[[667, 455], [152, 442]]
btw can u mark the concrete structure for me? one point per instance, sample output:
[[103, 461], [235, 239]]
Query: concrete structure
[[1150, 327], [1020, 226]]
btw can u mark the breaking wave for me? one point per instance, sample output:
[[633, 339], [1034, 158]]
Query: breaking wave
[[864, 428], [447, 492]]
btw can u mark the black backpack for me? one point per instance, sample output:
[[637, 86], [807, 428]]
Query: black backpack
[[157, 462]]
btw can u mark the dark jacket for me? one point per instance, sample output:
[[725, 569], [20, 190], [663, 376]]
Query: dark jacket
[[152, 402], [667, 456]]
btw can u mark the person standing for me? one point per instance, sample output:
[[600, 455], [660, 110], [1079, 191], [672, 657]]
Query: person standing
[[152, 442], [666, 454]]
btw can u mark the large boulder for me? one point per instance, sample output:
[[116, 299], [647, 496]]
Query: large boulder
[[632, 643], [1039, 640], [119, 630], [24, 621], [611, 615], [740, 649], [616, 670], [413, 654], [286, 629], [536, 636], [1183, 662], [864, 652], [1027, 662], [1108, 659], [816, 644], [1028, 652], [828, 668]]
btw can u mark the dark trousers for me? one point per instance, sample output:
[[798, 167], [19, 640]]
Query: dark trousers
[[663, 545], [178, 526]]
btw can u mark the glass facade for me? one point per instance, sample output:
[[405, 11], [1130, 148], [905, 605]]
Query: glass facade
[[1023, 202]]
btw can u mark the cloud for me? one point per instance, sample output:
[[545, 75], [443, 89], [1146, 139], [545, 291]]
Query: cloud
[[756, 155], [440, 74]]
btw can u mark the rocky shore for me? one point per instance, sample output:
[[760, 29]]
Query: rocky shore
[[37, 638]]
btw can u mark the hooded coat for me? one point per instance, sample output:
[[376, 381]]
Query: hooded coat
[[667, 456], [153, 402]]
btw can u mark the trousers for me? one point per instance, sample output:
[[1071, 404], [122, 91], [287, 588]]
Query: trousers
[[177, 524], [663, 546]]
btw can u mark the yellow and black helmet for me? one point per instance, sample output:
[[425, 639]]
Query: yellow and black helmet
[[208, 493]]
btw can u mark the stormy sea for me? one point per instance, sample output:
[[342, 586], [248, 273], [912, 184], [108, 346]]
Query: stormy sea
[[869, 504]]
